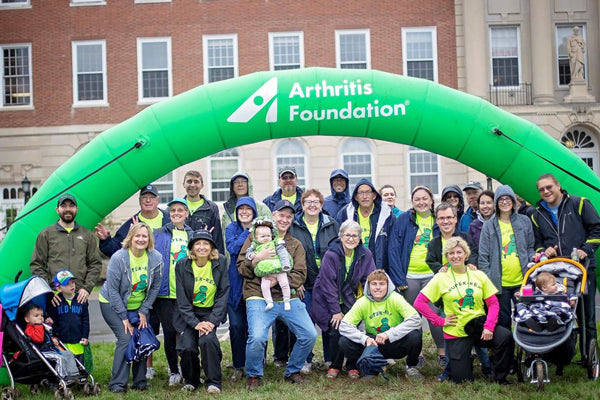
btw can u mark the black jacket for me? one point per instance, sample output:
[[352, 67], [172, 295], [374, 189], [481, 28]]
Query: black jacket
[[207, 217], [577, 225], [189, 315], [328, 230], [434, 251]]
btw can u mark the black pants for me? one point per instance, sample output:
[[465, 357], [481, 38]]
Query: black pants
[[165, 309], [589, 306], [210, 351], [409, 346], [459, 352]]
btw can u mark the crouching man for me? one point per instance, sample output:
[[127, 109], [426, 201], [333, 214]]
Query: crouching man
[[391, 324]]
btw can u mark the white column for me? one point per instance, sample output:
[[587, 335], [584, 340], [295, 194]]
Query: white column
[[476, 49], [541, 52]]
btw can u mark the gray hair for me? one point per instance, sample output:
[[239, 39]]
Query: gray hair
[[350, 225], [444, 206]]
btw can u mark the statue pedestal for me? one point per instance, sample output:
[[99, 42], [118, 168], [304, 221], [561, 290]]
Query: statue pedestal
[[578, 93]]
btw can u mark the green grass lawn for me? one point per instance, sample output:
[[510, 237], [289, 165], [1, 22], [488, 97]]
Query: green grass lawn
[[573, 385]]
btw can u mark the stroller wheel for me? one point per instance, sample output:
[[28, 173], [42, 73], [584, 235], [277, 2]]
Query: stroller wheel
[[68, 394], [86, 388], [521, 367], [592, 360], [539, 374], [35, 389], [96, 389], [8, 393], [57, 394]]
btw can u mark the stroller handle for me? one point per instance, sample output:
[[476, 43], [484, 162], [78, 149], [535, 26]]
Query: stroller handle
[[566, 260]]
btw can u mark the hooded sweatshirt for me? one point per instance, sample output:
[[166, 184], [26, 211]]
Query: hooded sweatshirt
[[381, 220], [336, 201], [461, 201], [230, 205], [392, 315], [490, 243]]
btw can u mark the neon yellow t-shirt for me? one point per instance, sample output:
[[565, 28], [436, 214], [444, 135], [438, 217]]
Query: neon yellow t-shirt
[[153, 223], [347, 264], [365, 224], [463, 295], [379, 316], [69, 229], [194, 205], [417, 264], [178, 251], [139, 280], [313, 229], [291, 199], [444, 259], [204, 285], [511, 267]]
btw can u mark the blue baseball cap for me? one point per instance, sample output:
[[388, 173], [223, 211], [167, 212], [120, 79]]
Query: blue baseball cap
[[63, 277], [178, 200]]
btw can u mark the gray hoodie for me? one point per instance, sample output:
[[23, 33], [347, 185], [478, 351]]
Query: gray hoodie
[[395, 333]]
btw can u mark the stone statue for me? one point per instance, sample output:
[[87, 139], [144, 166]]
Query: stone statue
[[576, 49]]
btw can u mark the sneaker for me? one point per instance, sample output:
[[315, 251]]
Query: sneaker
[[442, 361], [390, 362], [443, 377], [306, 368], [150, 373], [238, 374], [420, 362], [368, 377], [413, 373], [296, 378], [253, 382], [332, 373], [188, 387], [174, 380], [327, 364], [212, 389], [353, 374], [280, 363]]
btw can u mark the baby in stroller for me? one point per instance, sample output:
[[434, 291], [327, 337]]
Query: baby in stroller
[[554, 310]]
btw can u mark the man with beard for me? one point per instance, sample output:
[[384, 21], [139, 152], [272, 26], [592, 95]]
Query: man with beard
[[66, 245], [288, 190]]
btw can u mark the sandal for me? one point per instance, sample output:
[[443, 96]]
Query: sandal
[[332, 373], [353, 374]]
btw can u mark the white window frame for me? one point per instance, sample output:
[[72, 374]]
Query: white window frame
[[10, 107], [302, 179], [432, 30], [21, 4], [169, 191], [84, 3], [338, 55], [411, 174], [205, 41], [224, 155], [583, 33], [140, 43], [368, 150], [151, 1], [519, 59], [274, 35], [89, 103]]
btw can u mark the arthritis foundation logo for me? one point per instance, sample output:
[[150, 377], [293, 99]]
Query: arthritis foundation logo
[[347, 94]]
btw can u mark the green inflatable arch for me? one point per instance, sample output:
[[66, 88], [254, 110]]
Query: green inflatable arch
[[273, 105]]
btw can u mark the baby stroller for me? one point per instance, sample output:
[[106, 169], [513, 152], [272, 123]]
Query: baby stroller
[[537, 346], [24, 362]]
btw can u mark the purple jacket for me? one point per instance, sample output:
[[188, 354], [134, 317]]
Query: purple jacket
[[330, 285]]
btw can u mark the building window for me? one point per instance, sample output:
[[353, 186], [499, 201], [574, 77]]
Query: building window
[[291, 153], [222, 167], [353, 49], [165, 188], [286, 50], [16, 75], [88, 2], [584, 145], [14, 3], [419, 52], [505, 55], [564, 69], [424, 168], [89, 73], [220, 57], [357, 160], [155, 80]]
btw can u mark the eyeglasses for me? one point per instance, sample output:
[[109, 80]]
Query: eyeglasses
[[312, 202], [349, 236], [445, 218], [240, 181], [505, 200], [545, 188], [287, 177], [177, 210], [364, 192]]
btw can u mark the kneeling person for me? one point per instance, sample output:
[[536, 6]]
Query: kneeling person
[[390, 323]]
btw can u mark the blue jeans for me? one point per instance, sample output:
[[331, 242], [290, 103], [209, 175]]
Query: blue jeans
[[259, 321], [238, 333]]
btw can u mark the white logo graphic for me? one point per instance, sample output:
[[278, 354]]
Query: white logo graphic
[[257, 102]]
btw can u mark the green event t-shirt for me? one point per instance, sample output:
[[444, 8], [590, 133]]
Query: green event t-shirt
[[463, 295], [291, 199], [194, 205], [313, 229], [379, 316], [139, 280], [365, 224], [511, 267], [204, 285], [417, 264], [179, 242], [153, 223]]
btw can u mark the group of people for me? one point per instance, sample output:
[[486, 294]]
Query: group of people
[[299, 259]]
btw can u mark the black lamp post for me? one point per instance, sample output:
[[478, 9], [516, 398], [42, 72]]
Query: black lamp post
[[26, 186]]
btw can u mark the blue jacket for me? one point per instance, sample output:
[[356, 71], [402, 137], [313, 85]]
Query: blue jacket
[[162, 243], [336, 201], [71, 322], [110, 245], [469, 216], [381, 220], [402, 239], [271, 200], [235, 236]]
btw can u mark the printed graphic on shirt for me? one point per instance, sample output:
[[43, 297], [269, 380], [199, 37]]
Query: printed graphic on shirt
[[384, 325], [201, 295], [141, 285], [178, 255], [467, 301], [510, 248], [423, 238]]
